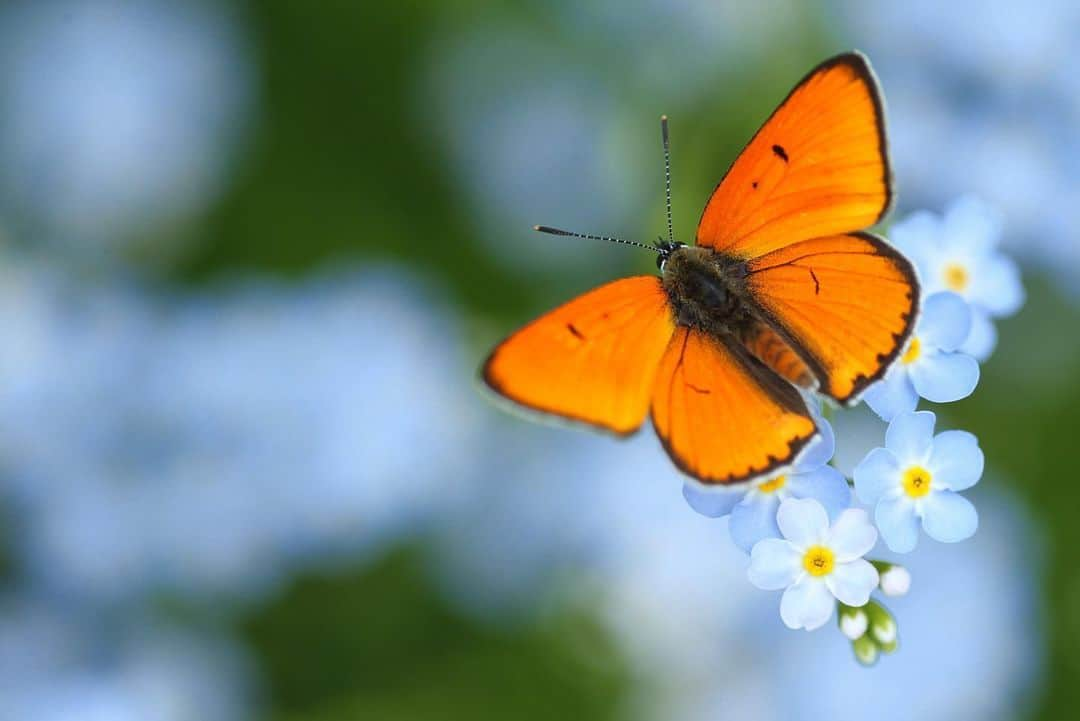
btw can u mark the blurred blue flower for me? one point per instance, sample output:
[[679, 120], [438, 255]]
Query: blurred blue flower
[[753, 511], [954, 88], [577, 516], [916, 478], [703, 41], [488, 84], [56, 665], [958, 252], [131, 420], [817, 564], [118, 115], [930, 367]]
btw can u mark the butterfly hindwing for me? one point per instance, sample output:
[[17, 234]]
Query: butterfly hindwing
[[818, 166], [592, 360], [723, 416], [846, 303]]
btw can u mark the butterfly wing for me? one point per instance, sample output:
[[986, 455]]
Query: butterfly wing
[[723, 416], [818, 166], [846, 303], [592, 360]]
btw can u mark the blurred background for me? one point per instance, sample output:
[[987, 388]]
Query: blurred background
[[253, 253]]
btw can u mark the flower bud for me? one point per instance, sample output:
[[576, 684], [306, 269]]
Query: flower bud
[[882, 625], [866, 650], [895, 580], [853, 622]]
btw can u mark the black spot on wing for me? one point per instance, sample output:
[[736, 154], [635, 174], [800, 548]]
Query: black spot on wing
[[703, 391], [817, 285], [754, 185], [574, 331], [779, 151]]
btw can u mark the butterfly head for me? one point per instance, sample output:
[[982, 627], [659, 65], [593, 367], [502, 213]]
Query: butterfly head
[[664, 250]]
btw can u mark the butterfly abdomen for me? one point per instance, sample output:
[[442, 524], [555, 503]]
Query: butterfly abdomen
[[768, 347]]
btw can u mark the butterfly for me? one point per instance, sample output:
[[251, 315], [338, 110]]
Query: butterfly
[[784, 293]]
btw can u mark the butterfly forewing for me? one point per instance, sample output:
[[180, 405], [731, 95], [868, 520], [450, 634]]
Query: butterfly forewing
[[817, 166], [592, 360]]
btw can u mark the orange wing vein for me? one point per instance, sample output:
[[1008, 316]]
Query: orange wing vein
[[818, 166], [592, 360], [723, 416], [846, 303]]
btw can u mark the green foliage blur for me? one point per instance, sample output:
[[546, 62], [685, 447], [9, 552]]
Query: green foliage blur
[[341, 163]]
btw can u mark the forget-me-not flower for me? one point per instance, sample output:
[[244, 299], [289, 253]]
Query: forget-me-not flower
[[958, 252], [931, 367], [816, 563], [915, 479], [753, 511]]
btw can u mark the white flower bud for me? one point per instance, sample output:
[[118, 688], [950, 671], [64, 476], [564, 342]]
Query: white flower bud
[[884, 630], [866, 651], [895, 581], [853, 624]]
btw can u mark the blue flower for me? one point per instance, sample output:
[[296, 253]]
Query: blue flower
[[753, 511], [931, 366], [815, 563], [958, 252], [916, 478]]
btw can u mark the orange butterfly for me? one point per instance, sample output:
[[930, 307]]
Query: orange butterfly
[[783, 290]]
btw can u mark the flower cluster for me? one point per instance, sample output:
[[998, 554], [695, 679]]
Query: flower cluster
[[806, 533]]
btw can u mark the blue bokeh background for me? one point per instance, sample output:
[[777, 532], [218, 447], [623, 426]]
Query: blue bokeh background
[[253, 253]]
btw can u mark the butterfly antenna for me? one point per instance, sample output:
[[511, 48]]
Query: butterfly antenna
[[556, 231], [667, 176]]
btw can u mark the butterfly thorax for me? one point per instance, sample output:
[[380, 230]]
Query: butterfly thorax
[[707, 291]]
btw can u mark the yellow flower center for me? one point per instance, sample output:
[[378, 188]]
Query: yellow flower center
[[914, 350], [917, 481], [818, 561], [955, 277], [773, 485]]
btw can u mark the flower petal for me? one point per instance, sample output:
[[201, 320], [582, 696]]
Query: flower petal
[[853, 582], [877, 476], [826, 485], [713, 503], [949, 517], [910, 436], [982, 340], [971, 225], [892, 395], [820, 450], [918, 236], [945, 321], [957, 461], [852, 536], [754, 519], [997, 287], [808, 604], [802, 521], [774, 564], [944, 377], [898, 523]]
